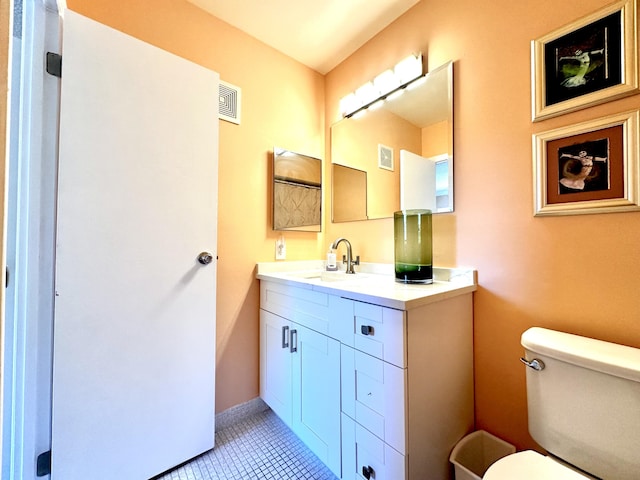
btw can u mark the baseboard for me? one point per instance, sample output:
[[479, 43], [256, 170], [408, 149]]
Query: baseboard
[[239, 413]]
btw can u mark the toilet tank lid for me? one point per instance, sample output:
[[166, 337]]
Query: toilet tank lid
[[610, 358]]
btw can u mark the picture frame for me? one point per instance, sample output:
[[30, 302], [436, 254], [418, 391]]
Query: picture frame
[[385, 157], [588, 168], [587, 62]]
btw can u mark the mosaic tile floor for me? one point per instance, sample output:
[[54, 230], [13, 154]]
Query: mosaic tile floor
[[259, 447]]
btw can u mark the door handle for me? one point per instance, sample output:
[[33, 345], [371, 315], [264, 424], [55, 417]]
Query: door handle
[[205, 258], [285, 337], [294, 341]]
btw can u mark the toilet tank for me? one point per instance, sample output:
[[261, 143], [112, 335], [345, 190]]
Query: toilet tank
[[584, 405]]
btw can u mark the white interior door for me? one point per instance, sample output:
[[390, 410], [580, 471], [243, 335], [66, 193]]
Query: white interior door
[[417, 182], [134, 340]]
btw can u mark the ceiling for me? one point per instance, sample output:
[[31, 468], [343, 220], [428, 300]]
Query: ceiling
[[317, 33]]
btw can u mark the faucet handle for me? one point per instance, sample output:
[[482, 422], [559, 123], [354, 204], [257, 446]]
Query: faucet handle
[[355, 261]]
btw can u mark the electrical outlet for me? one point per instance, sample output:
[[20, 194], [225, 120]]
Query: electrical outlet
[[281, 249]]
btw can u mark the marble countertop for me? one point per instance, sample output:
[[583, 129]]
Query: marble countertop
[[373, 282]]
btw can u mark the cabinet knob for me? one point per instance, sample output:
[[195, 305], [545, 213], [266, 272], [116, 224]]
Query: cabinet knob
[[368, 472], [366, 329]]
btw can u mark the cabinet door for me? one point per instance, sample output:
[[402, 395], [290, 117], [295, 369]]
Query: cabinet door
[[316, 393], [275, 364]]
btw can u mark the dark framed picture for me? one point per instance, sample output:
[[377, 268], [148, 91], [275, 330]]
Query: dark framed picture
[[591, 167], [587, 62]]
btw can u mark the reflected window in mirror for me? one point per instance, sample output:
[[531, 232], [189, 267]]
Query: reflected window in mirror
[[419, 121], [297, 191]]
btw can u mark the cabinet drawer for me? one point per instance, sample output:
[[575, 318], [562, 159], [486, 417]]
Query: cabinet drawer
[[364, 452], [306, 307], [374, 395], [380, 332], [327, 314]]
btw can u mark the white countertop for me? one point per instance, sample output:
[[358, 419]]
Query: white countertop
[[373, 282]]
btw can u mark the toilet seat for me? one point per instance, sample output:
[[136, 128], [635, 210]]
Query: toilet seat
[[530, 465]]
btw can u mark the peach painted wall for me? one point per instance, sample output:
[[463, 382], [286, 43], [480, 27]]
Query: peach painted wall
[[576, 274], [282, 105], [435, 139], [573, 273]]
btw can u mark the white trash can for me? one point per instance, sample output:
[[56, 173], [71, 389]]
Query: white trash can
[[475, 453]]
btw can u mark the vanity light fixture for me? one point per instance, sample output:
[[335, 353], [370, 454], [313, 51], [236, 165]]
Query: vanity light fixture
[[388, 84]]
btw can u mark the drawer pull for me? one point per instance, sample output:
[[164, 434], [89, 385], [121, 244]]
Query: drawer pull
[[293, 341], [285, 337], [368, 472], [366, 329]]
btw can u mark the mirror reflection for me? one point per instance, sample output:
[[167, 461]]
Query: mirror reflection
[[406, 149], [297, 191], [349, 193]]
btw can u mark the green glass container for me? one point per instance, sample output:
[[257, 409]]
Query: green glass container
[[413, 246]]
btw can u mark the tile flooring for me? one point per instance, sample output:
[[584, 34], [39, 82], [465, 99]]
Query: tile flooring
[[258, 446]]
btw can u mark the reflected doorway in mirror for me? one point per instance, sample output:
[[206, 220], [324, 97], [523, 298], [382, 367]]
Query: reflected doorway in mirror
[[424, 182]]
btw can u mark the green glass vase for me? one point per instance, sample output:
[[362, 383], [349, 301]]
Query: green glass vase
[[413, 246]]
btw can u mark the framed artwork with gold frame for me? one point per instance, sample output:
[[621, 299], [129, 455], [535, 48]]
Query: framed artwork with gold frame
[[590, 61], [591, 167]]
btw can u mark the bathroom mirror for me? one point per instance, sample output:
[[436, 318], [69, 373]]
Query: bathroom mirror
[[297, 191], [405, 147]]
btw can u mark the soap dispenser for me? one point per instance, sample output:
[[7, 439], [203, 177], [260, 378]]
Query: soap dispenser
[[332, 266]]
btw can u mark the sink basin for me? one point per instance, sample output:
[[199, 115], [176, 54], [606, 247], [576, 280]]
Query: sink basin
[[324, 276], [340, 276]]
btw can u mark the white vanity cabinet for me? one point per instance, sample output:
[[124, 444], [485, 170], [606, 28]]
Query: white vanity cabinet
[[376, 379], [300, 367], [407, 390]]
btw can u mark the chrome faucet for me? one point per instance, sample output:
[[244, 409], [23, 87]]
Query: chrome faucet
[[348, 259]]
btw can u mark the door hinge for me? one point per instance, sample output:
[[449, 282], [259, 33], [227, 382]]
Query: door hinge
[[54, 64], [43, 464]]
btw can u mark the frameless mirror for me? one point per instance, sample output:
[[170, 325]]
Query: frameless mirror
[[405, 147], [297, 191]]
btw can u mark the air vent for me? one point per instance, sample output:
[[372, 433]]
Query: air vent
[[385, 157], [229, 108]]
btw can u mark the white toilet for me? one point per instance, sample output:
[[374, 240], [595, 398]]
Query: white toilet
[[584, 410]]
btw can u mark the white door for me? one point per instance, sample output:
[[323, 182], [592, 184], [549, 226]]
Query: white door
[[134, 339], [417, 182]]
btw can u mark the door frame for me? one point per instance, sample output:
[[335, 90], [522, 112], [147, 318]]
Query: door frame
[[27, 324]]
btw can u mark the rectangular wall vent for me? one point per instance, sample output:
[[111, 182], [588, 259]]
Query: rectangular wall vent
[[230, 97]]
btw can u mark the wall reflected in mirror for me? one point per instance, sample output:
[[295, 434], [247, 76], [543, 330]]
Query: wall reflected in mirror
[[297, 191], [417, 127]]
